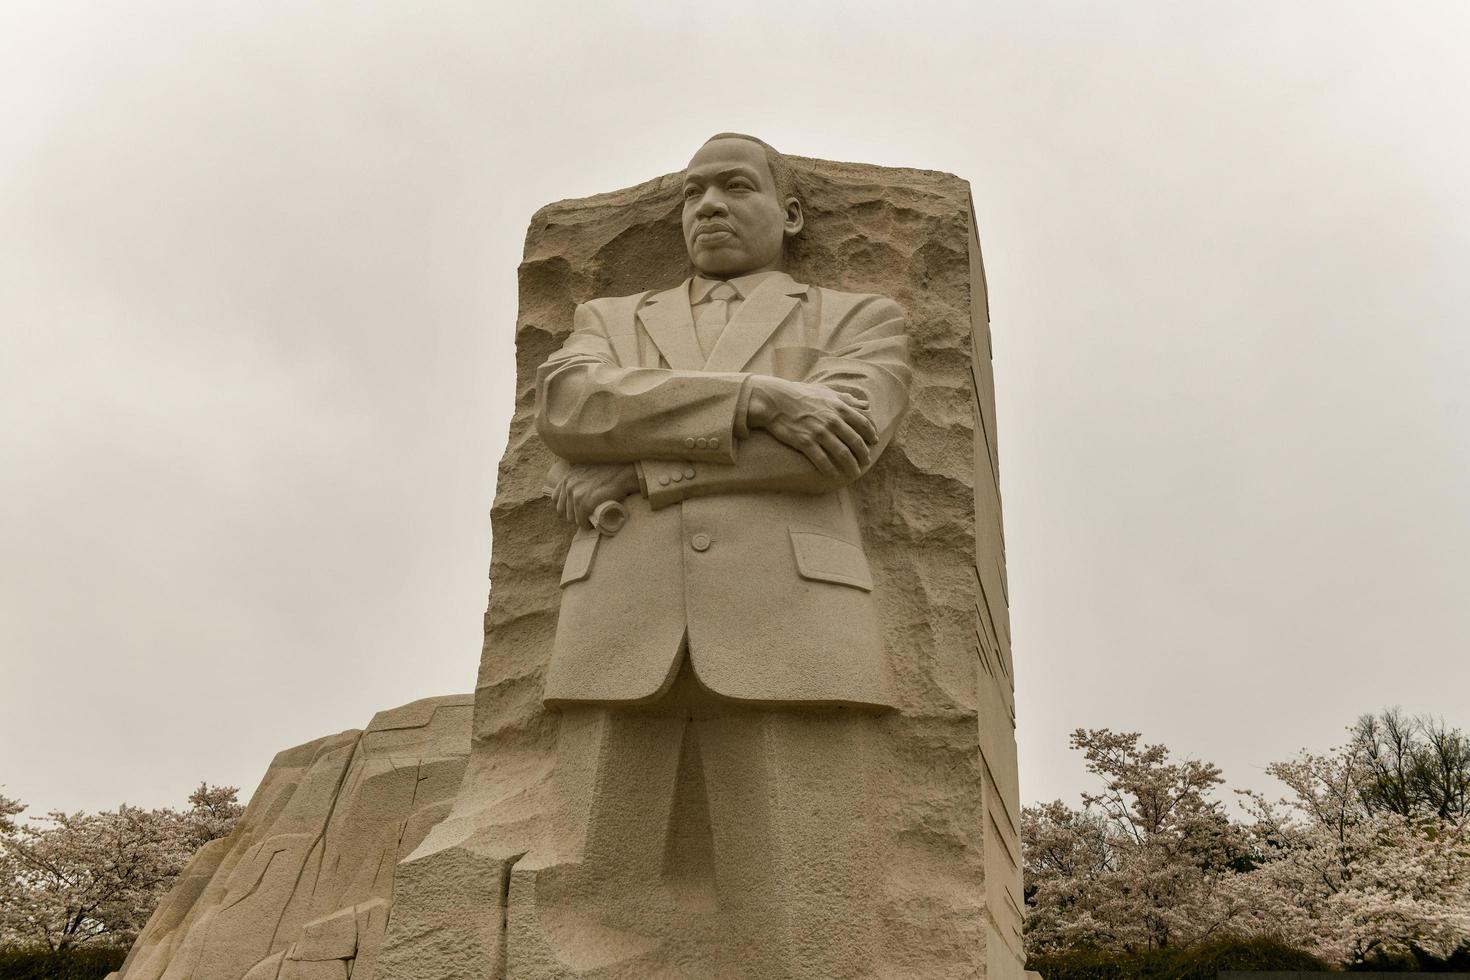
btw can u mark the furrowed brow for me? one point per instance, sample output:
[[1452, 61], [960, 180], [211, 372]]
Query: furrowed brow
[[749, 173]]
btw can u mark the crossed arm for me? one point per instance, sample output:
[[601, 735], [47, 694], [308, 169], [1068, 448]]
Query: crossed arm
[[673, 434]]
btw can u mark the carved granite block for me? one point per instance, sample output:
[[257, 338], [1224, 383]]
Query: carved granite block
[[944, 869], [910, 773]]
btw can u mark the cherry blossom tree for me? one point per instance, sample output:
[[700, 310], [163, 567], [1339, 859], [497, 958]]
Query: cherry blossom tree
[[8, 809], [1139, 866], [74, 878], [1344, 874], [1367, 854]]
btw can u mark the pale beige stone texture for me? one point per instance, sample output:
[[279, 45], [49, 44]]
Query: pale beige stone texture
[[301, 889], [501, 889], [759, 564], [900, 858]]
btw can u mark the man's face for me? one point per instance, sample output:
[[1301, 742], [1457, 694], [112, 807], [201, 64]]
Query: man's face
[[734, 221]]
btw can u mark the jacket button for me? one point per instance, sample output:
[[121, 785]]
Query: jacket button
[[689, 473], [689, 442], [663, 480], [714, 443], [700, 542], [701, 442]]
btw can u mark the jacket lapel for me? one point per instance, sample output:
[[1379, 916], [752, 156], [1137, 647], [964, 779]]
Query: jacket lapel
[[668, 320], [760, 313]]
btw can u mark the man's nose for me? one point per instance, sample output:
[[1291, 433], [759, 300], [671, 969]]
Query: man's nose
[[710, 205]]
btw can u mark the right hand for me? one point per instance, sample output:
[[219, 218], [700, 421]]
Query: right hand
[[584, 486], [830, 427]]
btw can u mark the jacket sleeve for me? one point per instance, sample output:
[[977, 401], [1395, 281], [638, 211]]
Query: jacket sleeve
[[868, 351], [591, 409]]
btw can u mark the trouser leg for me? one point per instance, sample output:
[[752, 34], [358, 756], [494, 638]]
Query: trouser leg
[[581, 904], [793, 845], [616, 772]]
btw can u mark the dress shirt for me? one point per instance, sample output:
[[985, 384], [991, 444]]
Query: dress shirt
[[699, 289]]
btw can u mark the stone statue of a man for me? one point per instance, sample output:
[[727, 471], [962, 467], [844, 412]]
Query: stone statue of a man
[[718, 660]]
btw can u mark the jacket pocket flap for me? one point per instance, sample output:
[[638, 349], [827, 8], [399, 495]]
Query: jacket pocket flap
[[823, 558], [579, 556]]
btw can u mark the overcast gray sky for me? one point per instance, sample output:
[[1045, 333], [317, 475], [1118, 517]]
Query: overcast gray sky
[[257, 293]]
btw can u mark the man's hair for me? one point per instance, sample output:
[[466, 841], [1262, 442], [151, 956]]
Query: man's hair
[[781, 172]]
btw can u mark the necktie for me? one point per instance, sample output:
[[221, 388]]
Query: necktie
[[711, 316]]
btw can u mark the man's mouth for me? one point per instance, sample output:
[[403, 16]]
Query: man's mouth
[[715, 231]]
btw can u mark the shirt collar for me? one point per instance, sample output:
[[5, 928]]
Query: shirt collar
[[699, 287]]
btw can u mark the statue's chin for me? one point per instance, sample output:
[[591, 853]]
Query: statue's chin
[[724, 256], [727, 266], [712, 263]]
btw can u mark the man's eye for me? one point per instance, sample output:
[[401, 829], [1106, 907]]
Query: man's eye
[[691, 191], [739, 185]]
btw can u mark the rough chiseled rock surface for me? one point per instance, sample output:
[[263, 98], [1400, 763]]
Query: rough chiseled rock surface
[[301, 890], [950, 885]]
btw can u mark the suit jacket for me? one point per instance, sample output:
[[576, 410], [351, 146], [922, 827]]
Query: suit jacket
[[737, 541]]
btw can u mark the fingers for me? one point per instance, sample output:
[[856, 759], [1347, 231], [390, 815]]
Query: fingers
[[834, 448], [854, 443], [569, 501], [852, 394], [588, 485], [817, 453], [853, 407], [585, 499], [794, 436], [861, 423], [840, 454], [559, 499]]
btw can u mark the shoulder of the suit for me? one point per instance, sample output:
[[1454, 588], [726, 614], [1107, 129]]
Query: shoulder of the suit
[[601, 303], [615, 309], [843, 304]]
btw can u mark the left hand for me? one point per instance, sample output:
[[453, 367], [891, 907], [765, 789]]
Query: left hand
[[587, 485], [828, 425]]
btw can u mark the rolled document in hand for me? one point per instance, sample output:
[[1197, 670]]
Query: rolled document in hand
[[608, 517]]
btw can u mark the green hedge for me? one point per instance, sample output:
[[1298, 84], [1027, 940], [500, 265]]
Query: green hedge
[[1195, 963], [81, 964]]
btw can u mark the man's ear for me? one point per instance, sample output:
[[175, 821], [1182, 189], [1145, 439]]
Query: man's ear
[[795, 220]]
